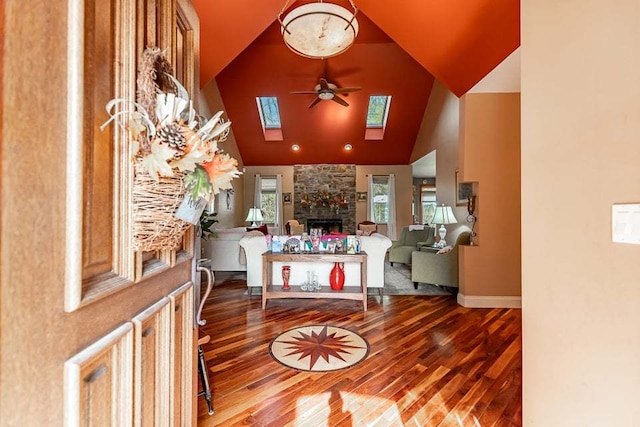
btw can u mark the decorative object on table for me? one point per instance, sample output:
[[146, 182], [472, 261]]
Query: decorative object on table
[[351, 244], [444, 215], [293, 244], [276, 245], [315, 244], [319, 30], [336, 276], [312, 284], [254, 216], [175, 154], [331, 246], [471, 209], [305, 243], [286, 273], [319, 348]]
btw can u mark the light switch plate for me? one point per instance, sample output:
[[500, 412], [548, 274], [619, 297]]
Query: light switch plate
[[625, 223]]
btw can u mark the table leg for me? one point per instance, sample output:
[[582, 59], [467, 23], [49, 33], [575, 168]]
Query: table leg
[[363, 280], [265, 272]]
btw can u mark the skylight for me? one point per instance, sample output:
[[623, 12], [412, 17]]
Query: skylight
[[377, 116], [378, 110], [270, 117], [269, 112]]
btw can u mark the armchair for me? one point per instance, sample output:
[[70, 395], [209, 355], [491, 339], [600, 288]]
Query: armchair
[[438, 268], [293, 227], [402, 248], [368, 227]]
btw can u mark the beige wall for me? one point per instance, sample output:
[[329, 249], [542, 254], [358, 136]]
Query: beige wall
[[403, 189], [490, 155], [580, 155], [287, 187], [211, 102], [440, 131], [404, 193]]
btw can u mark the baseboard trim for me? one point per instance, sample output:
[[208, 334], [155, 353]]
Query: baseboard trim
[[497, 301]]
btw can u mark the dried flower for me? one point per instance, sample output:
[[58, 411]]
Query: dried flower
[[176, 137]]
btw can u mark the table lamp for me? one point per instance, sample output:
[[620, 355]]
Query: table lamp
[[444, 215], [254, 215]]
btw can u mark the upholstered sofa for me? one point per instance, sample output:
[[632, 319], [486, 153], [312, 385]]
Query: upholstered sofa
[[402, 248], [222, 247], [438, 268], [375, 245]]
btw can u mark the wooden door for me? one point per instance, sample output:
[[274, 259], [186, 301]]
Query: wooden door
[[74, 298]]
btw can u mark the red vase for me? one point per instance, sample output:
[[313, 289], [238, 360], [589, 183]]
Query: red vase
[[336, 277], [286, 272]]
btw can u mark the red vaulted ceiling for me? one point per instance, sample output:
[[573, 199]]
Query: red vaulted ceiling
[[402, 46]]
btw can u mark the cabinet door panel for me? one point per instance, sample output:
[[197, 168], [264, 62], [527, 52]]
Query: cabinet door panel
[[99, 382], [151, 382], [182, 355]]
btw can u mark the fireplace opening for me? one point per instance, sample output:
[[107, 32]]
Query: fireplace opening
[[327, 225]]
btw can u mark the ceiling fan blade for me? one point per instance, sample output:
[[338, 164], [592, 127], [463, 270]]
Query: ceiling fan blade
[[324, 84], [304, 92], [347, 89], [315, 101], [340, 101]]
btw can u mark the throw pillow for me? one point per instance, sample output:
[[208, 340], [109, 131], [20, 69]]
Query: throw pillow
[[263, 229], [368, 229]]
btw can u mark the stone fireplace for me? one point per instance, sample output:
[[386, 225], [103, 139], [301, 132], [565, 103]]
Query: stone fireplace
[[323, 185]]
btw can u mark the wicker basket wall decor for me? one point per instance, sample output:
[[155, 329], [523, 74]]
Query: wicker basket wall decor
[[154, 201], [175, 154]]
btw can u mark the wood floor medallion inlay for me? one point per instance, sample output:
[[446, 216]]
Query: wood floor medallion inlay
[[319, 348]]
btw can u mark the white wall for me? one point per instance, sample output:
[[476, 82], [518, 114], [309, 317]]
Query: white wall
[[580, 154]]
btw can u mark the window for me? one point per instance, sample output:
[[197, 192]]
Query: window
[[380, 199], [270, 117], [428, 203], [268, 198], [377, 114]]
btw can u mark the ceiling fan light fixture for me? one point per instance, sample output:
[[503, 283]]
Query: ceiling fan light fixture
[[325, 96], [319, 30]]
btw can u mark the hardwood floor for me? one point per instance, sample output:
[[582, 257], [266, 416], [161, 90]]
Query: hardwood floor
[[431, 363]]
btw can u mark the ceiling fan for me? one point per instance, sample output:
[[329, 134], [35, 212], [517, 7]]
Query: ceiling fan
[[327, 91]]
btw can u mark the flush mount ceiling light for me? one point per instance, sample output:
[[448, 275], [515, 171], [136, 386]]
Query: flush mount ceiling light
[[348, 147], [319, 30], [295, 147]]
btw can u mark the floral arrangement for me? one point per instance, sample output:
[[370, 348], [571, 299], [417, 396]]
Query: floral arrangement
[[168, 136]]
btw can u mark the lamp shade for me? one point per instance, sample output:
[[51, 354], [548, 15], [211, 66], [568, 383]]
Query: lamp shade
[[254, 215], [319, 30], [444, 215]]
